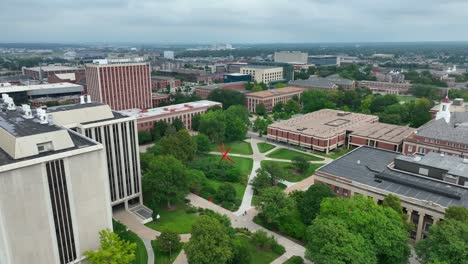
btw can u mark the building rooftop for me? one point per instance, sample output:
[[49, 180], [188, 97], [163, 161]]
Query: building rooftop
[[370, 166], [458, 105], [335, 78], [66, 76], [159, 95], [138, 113], [455, 131], [54, 68], [452, 164], [324, 123], [316, 82], [158, 77], [218, 85], [252, 66], [16, 125], [236, 74], [276, 92], [386, 132], [37, 88]]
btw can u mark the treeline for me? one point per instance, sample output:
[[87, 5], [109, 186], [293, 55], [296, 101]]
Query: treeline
[[352, 72]]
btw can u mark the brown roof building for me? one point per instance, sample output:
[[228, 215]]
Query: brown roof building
[[323, 130], [380, 135], [271, 97]]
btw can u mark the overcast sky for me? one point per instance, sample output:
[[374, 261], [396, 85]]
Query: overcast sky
[[252, 21]]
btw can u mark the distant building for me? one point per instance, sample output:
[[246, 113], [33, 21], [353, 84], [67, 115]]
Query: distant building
[[322, 130], [192, 75], [90, 54], [330, 83], [270, 98], [236, 77], [54, 196], [294, 57], [385, 87], [42, 72], [24, 93], [147, 118], [234, 67], [446, 134], [425, 184], [288, 69], [158, 98], [205, 90], [323, 60], [261, 73], [380, 135], [169, 54], [78, 77], [458, 105], [346, 84], [162, 82], [121, 85]]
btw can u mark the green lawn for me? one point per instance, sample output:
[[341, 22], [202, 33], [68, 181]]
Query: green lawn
[[293, 175], [176, 219], [238, 147], [245, 165], [258, 256], [406, 99], [161, 257], [288, 154], [264, 147], [141, 254]]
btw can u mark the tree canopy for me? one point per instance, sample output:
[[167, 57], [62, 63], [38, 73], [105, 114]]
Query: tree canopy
[[112, 250], [227, 97], [309, 203]]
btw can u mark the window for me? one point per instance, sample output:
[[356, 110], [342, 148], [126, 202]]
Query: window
[[43, 147], [410, 148], [345, 192], [337, 189]]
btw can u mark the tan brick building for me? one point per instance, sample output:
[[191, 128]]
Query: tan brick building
[[271, 97]]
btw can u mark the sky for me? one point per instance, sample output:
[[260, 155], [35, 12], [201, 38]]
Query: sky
[[239, 21]]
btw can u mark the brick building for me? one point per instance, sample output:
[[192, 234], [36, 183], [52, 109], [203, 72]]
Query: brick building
[[385, 87], [205, 90], [271, 97], [446, 134], [148, 117], [322, 130], [380, 135], [43, 72], [158, 98], [424, 183], [122, 85], [161, 82], [78, 77]]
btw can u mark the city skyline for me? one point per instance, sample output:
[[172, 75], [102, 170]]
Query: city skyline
[[263, 21]]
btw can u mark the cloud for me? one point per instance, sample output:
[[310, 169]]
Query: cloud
[[202, 21]]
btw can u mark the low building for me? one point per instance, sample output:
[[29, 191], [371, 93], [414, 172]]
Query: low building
[[163, 82], [446, 134], [24, 93], [288, 69], [185, 112], [322, 130], [42, 72], [205, 90], [346, 84], [323, 60], [262, 73], [78, 77], [425, 184], [270, 98], [458, 105], [159, 98], [315, 83], [385, 87], [380, 135], [54, 189], [293, 57], [236, 77]]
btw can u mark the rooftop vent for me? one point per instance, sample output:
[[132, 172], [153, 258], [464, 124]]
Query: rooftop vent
[[82, 99], [88, 99], [42, 115], [417, 158], [465, 160], [27, 111], [358, 162], [343, 113]]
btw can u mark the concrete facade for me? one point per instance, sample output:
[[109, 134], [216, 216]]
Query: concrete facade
[[295, 57], [270, 98], [265, 74]]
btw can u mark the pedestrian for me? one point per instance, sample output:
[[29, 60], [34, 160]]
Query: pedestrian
[[245, 213]]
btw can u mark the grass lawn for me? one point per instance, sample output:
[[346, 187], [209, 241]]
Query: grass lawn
[[293, 175], [288, 154], [238, 147], [264, 147], [406, 99], [141, 254], [258, 256], [177, 220], [245, 165], [161, 257]]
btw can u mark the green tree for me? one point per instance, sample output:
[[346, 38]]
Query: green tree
[[165, 180], [180, 145], [195, 122], [260, 109], [159, 130], [210, 242], [241, 253], [427, 91], [226, 193], [112, 250], [274, 204], [458, 213], [203, 143], [309, 203], [227, 97], [330, 241], [301, 163], [292, 107], [143, 137], [420, 114], [393, 201], [316, 100], [178, 124], [236, 118], [213, 125], [279, 85], [239, 111], [279, 107], [261, 181], [168, 241], [362, 217]]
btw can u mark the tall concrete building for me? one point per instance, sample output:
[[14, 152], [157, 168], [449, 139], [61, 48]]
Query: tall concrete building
[[54, 189], [122, 84], [293, 57]]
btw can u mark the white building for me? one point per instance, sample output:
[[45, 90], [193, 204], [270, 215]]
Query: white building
[[293, 57], [265, 74], [169, 54]]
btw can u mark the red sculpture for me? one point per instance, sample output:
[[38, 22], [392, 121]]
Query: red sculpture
[[224, 153]]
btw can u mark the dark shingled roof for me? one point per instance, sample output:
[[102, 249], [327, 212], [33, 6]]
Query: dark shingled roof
[[452, 131], [315, 82], [373, 165]]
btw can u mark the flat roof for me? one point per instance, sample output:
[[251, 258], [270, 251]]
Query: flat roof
[[236, 74], [372, 170], [54, 68], [452, 164], [276, 92], [317, 82], [138, 113], [66, 76], [39, 87], [387, 132], [324, 123], [252, 66], [15, 124], [218, 85]]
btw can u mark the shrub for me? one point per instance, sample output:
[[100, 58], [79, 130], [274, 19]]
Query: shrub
[[226, 193], [241, 253], [143, 137], [168, 241], [207, 192], [277, 248], [261, 239], [191, 210]]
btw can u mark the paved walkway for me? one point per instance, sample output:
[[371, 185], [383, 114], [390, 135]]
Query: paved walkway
[[181, 258]]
